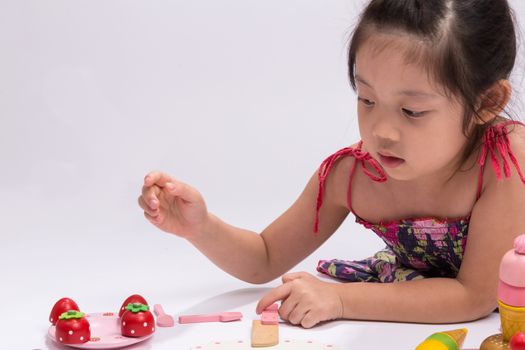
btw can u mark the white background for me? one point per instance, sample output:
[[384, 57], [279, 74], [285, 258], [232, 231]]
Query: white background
[[242, 99]]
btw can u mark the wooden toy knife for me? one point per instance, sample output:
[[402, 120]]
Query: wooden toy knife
[[219, 317]]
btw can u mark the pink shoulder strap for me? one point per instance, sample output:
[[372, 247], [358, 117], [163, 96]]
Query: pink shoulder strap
[[326, 166], [496, 141]]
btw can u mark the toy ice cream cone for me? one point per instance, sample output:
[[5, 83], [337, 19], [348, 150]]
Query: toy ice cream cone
[[448, 340], [512, 320], [511, 290]]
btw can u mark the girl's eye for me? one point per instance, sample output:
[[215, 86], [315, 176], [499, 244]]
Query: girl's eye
[[366, 102], [412, 114]]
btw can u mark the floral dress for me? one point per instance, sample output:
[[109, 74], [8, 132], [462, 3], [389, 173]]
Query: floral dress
[[418, 247]]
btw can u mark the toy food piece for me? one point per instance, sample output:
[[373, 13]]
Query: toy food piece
[[517, 342], [72, 328], [163, 319], [135, 298], [61, 306], [264, 335], [494, 342], [137, 321], [511, 290], [448, 340], [270, 315]]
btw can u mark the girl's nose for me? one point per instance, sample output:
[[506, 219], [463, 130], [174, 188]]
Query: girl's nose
[[385, 129]]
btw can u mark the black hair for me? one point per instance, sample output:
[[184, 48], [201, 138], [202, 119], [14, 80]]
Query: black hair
[[466, 46]]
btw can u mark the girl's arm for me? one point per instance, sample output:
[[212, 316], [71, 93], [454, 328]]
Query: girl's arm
[[259, 258], [497, 218], [252, 257]]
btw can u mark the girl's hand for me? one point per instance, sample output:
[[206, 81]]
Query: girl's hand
[[172, 206], [306, 300]]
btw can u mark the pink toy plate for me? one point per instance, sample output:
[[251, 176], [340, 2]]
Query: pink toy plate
[[105, 333]]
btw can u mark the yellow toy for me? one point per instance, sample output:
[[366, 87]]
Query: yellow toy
[[448, 340]]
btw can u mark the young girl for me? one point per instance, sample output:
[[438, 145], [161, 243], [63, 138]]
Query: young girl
[[436, 175]]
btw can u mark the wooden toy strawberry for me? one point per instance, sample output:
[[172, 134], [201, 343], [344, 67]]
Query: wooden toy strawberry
[[135, 298], [137, 321], [61, 306], [72, 328], [517, 342]]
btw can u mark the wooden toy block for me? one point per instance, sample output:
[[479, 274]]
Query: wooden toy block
[[264, 335]]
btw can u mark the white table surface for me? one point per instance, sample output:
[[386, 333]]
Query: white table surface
[[38, 270]]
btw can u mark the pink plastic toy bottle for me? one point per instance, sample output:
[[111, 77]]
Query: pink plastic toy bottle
[[511, 290]]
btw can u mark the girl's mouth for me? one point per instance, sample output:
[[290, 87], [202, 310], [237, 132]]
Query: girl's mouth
[[390, 162]]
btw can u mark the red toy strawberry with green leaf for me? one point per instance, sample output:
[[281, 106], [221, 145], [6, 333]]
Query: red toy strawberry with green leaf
[[135, 298], [137, 321], [72, 328], [517, 342], [61, 306]]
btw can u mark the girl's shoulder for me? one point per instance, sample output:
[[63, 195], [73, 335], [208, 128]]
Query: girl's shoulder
[[336, 170], [503, 154], [516, 134]]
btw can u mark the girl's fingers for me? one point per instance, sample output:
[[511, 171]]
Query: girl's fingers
[[294, 275], [157, 178], [296, 315], [150, 196], [147, 208], [309, 320], [158, 181], [289, 311], [279, 293], [182, 191], [153, 219]]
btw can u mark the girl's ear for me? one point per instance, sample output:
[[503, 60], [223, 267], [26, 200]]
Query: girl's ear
[[494, 100]]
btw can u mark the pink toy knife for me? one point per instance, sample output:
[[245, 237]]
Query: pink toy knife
[[220, 317], [163, 320]]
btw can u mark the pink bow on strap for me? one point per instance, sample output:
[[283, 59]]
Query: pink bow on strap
[[496, 141], [326, 166]]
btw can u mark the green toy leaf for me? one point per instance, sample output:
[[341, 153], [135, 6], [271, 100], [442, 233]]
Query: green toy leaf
[[71, 314], [137, 307]]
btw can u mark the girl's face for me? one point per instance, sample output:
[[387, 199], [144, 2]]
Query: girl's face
[[406, 122]]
